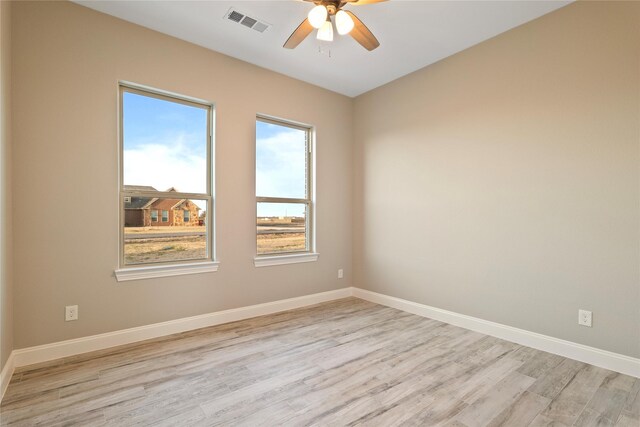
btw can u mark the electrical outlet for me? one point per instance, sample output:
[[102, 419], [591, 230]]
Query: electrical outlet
[[71, 313], [340, 273], [585, 317]]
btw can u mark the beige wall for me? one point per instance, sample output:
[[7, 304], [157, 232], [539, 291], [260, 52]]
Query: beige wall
[[503, 182], [6, 288], [67, 62]]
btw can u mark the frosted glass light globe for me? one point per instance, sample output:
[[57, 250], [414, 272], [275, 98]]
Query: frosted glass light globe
[[317, 16], [344, 23], [325, 33]]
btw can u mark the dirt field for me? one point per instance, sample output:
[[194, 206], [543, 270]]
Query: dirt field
[[142, 251], [160, 230], [283, 242], [149, 249]]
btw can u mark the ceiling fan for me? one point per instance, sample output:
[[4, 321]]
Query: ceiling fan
[[346, 23]]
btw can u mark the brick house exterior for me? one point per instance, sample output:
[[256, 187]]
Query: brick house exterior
[[157, 212]]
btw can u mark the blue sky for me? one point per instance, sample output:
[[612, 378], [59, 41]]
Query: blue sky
[[280, 167], [165, 146]]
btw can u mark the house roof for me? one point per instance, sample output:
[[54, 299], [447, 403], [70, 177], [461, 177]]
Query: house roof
[[151, 202], [139, 188], [139, 202], [185, 202], [167, 204]]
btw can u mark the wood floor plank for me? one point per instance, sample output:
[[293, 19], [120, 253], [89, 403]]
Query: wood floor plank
[[504, 393], [346, 362], [555, 380], [521, 412], [543, 421], [606, 405], [539, 364], [627, 421], [631, 411], [593, 418], [484, 377], [571, 401]]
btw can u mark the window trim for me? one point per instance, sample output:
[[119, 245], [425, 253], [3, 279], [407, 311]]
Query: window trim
[[162, 217], [310, 253], [165, 270], [289, 258], [162, 269]]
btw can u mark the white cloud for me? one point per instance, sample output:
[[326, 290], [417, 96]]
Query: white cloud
[[167, 163], [281, 162]]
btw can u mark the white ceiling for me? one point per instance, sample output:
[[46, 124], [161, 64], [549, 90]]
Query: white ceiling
[[412, 34]]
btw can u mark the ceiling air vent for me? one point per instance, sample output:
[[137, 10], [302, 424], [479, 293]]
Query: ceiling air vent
[[247, 21], [235, 16], [260, 26]]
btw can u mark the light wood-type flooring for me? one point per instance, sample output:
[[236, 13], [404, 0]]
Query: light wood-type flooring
[[347, 362]]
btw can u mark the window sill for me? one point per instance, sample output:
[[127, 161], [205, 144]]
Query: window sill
[[155, 271], [267, 261]]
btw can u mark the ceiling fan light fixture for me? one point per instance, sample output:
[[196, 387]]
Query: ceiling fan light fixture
[[325, 33], [317, 16], [344, 23]]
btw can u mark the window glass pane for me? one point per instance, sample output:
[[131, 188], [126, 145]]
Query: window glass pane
[[164, 146], [173, 239], [281, 227], [281, 161]]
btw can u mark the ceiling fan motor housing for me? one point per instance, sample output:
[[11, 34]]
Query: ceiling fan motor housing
[[332, 6]]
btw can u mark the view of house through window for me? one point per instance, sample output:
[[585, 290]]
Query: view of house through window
[[283, 192], [166, 178]]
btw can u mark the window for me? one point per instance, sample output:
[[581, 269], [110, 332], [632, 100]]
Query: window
[[166, 158], [186, 217], [127, 199], [283, 189]]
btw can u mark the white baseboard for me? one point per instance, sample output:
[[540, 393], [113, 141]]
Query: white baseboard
[[5, 375], [44, 353], [594, 356]]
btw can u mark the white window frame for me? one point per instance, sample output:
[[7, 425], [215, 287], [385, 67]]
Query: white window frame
[[162, 217], [309, 254], [151, 214], [126, 272]]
